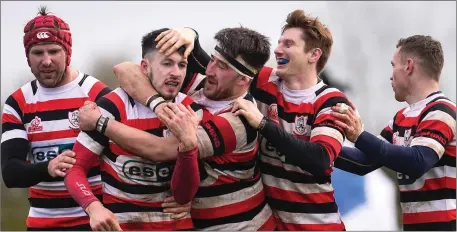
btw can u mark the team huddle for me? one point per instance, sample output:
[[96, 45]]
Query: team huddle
[[218, 141]]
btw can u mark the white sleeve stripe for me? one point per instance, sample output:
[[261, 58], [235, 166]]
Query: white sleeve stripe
[[447, 101], [429, 206], [325, 92], [14, 134], [7, 109], [205, 146], [429, 142], [106, 113], [327, 110], [442, 117], [328, 131], [89, 143]]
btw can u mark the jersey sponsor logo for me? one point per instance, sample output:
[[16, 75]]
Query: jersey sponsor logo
[[433, 135], [300, 125], [42, 35], [212, 134], [73, 118], [273, 113], [42, 154], [35, 125], [147, 172]]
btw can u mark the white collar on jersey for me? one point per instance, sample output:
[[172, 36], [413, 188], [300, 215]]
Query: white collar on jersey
[[63, 88], [214, 107]]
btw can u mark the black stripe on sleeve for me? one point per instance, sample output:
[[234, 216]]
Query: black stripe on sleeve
[[14, 104], [102, 93]]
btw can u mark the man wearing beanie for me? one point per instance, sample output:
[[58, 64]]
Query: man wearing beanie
[[40, 125]]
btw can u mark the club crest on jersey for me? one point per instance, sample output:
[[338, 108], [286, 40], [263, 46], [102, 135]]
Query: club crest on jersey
[[273, 113], [395, 138], [408, 137], [73, 118], [300, 125], [35, 125]]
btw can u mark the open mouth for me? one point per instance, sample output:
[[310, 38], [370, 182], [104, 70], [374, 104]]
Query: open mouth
[[282, 61], [172, 83], [211, 82]]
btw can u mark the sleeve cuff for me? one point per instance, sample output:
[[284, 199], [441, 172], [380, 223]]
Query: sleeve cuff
[[154, 101]]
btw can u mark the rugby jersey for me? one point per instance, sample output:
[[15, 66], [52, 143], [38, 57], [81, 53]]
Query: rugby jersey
[[47, 118], [428, 202], [134, 188], [299, 200], [231, 194]]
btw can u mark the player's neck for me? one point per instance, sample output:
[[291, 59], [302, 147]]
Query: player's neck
[[69, 76], [239, 92], [302, 81], [421, 89]]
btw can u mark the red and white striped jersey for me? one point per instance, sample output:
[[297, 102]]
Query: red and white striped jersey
[[429, 200], [48, 119], [134, 188], [299, 200], [231, 195]]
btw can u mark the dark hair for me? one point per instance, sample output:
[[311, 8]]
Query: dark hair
[[43, 11], [427, 50], [252, 46], [148, 43], [315, 35]]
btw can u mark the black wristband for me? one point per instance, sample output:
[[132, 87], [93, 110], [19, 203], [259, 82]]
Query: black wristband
[[105, 124], [152, 98], [154, 108], [98, 120], [155, 101], [262, 124]]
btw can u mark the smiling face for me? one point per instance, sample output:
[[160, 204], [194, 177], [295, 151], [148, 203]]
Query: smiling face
[[47, 62], [166, 73], [291, 47]]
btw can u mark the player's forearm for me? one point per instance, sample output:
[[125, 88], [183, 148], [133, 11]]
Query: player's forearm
[[311, 157], [186, 177], [141, 143], [16, 172], [355, 161], [412, 161], [198, 59], [19, 174], [76, 178]]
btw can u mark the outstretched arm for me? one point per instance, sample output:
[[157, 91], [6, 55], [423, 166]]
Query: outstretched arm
[[314, 156], [136, 141], [88, 148], [433, 133], [355, 161]]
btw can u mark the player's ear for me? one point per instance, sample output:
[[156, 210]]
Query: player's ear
[[243, 80]]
